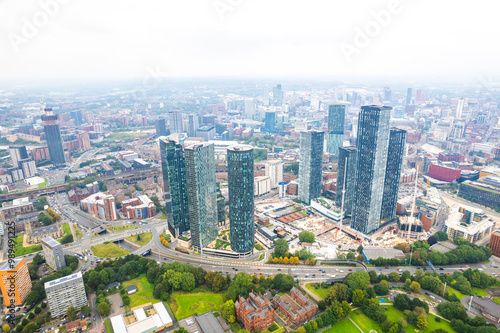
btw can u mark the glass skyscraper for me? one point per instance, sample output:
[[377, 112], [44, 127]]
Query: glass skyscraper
[[241, 193], [335, 136], [270, 122], [174, 186], [372, 146], [202, 194], [161, 128], [53, 137], [397, 140], [310, 165], [348, 154]]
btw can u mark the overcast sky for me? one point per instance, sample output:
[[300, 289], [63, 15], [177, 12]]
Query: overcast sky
[[261, 38]]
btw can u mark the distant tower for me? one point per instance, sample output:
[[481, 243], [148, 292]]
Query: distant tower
[[277, 95], [408, 96], [193, 124], [372, 146], [249, 108], [175, 119], [240, 180], [387, 94], [460, 108], [202, 194], [17, 153], [335, 136], [173, 168], [270, 122], [349, 154], [53, 135], [397, 140], [310, 165], [161, 128]]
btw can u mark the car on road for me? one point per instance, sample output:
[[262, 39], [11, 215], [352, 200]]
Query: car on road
[[350, 270], [441, 268]]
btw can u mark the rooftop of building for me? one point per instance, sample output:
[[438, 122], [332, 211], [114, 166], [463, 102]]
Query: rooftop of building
[[146, 318], [488, 305], [375, 253], [64, 279], [51, 242], [208, 323], [7, 266]]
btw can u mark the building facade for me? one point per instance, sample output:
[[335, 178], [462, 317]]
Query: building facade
[[53, 136], [101, 205], [397, 141], [335, 136], [372, 145], [274, 170], [495, 243], [53, 253], [270, 122], [161, 127], [175, 119], [65, 292], [16, 276], [310, 165], [254, 312], [347, 159], [193, 124], [139, 208], [241, 197], [202, 194], [17, 153], [173, 167]]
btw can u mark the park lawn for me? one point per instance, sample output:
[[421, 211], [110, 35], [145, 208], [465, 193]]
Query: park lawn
[[345, 326], [95, 236], [320, 292], [19, 250], [66, 229], [455, 292], [44, 184], [144, 292], [122, 227], [479, 292], [280, 329], [126, 136], [365, 323], [108, 250], [145, 238], [496, 299], [186, 304]]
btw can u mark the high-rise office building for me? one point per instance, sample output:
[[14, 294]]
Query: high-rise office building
[[270, 122], [66, 292], [310, 165], [397, 140], [408, 96], [240, 181], [53, 136], [193, 124], [17, 153], [387, 94], [77, 116], [277, 95], [161, 128], [372, 146], [175, 119], [335, 136], [53, 253], [249, 108], [173, 168], [347, 155], [28, 166], [15, 276], [202, 194]]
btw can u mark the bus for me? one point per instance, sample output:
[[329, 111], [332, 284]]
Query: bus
[[144, 222]]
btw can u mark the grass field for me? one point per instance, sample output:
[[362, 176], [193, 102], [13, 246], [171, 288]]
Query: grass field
[[345, 326], [19, 250], [107, 326], [78, 232], [186, 304], [320, 292], [95, 236], [66, 229], [496, 299], [393, 315], [280, 329], [457, 293], [163, 217], [144, 238], [479, 292], [144, 292], [44, 184], [108, 250], [122, 227], [126, 136]]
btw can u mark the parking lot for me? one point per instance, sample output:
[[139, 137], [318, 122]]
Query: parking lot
[[190, 324], [116, 305]]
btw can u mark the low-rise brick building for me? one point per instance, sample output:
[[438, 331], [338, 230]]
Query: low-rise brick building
[[297, 307], [254, 313]]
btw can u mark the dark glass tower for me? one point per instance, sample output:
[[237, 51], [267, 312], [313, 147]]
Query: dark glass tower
[[348, 154], [335, 136], [310, 165], [397, 139], [372, 146], [161, 128], [270, 122], [202, 194], [174, 186], [277, 95], [53, 137], [241, 193]]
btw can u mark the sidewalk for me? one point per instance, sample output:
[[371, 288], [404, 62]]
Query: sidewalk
[[310, 293]]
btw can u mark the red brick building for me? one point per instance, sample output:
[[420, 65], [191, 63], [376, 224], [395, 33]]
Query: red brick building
[[444, 173], [495, 243], [297, 307], [254, 313]]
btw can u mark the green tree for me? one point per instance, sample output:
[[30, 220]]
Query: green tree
[[103, 308], [6, 328], [104, 277], [228, 312], [306, 236], [357, 280], [441, 236], [181, 330], [422, 322], [30, 328], [393, 277], [280, 248], [71, 313], [358, 297], [86, 310], [382, 288], [188, 282], [415, 287]]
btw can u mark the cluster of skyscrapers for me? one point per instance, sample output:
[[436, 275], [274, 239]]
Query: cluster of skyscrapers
[[193, 200], [368, 174]]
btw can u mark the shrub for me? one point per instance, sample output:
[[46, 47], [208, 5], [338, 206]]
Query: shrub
[[273, 327], [438, 319]]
